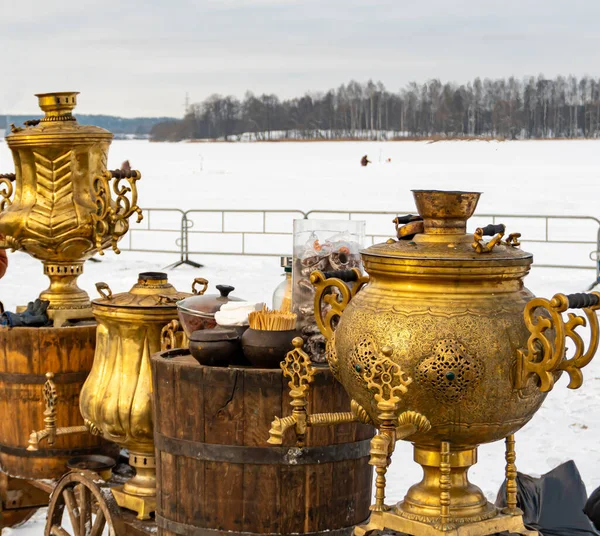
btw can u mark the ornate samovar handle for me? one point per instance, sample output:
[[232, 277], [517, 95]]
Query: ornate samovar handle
[[104, 290], [172, 336], [324, 282], [199, 281], [112, 216], [6, 189], [497, 231], [545, 355]]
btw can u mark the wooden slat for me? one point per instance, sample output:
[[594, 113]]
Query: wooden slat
[[261, 486], [164, 401], [224, 424]]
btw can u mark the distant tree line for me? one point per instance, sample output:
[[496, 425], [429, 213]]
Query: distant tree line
[[565, 107], [139, 126]]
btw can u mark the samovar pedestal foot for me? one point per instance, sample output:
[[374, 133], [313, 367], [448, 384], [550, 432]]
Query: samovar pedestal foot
[[143, 506], [383, 521], [139, 493]]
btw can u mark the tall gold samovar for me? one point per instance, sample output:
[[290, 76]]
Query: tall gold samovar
[[57, 206], [116, 398], [444, 347]]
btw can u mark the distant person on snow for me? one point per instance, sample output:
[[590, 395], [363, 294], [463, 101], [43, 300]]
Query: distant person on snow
[[126, 166], [364, 161]]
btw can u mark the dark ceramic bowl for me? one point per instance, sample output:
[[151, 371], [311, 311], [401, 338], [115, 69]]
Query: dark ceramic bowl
[[267, 349], [218, 347]]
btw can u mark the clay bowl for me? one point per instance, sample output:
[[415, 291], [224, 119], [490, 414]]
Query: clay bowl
[[267, 349], [217, 347]]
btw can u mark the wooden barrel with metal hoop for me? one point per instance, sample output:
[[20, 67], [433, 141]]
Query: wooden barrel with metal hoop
[[217, 474], [26, 354]]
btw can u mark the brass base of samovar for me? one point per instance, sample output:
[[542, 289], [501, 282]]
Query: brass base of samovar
[[445, 502], [391, 521], [139, 493]]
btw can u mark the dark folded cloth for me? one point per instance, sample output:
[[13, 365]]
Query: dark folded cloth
[[553, 504], [34, 316]]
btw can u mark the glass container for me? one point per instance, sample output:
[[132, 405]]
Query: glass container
[[325, 245], [282, 297]]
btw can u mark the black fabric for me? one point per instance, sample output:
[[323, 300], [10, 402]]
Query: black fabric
[[34, 316], [592, 508], [553, 504]]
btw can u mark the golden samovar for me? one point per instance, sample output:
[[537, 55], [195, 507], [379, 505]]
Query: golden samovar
[[116, 399], [57, 206], [444, 347]]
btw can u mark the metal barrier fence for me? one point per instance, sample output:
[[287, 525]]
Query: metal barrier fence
[[269, 233]]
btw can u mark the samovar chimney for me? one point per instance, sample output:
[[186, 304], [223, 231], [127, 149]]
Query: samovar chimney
[[445, 212]]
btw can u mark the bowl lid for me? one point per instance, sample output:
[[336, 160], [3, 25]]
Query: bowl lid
[[152, 290], [214, 335], [207, 304], [439, 236]]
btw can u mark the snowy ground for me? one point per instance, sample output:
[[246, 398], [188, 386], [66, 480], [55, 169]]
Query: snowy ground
[[553, 177]]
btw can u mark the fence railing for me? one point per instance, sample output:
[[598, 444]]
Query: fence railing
[[574, 240]]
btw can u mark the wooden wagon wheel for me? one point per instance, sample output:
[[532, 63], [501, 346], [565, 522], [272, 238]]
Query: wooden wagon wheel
[[79, 507]]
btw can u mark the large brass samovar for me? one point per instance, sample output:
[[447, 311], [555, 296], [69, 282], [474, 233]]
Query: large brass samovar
[[61, 211], [444, 347]]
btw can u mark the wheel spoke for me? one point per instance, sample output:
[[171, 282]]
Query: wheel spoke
[[85, 511], [71, 505], [99, 523], [58, 531]]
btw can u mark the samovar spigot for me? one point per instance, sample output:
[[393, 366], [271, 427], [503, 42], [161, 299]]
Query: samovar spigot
[[297, 366], [51, 432]]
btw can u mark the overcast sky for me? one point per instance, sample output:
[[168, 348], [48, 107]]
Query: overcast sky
[[140, 58]]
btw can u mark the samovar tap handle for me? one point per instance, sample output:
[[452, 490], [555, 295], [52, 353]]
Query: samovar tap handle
[[545, 356], [497, 231]]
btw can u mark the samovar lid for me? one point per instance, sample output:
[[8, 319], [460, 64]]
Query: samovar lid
[[152, 290], [439, 234], [58, 126]]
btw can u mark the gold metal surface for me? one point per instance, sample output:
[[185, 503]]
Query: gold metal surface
[[116, 397], [58, 205], [443, 331]]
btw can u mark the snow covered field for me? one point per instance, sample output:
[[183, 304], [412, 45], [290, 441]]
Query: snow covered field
[[553, 177]]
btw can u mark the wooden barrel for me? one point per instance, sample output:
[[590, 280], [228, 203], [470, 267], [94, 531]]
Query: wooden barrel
[[26, 354], [217, 474]]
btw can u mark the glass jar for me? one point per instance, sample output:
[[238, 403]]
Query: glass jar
[[324, 245], [282, 297]]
